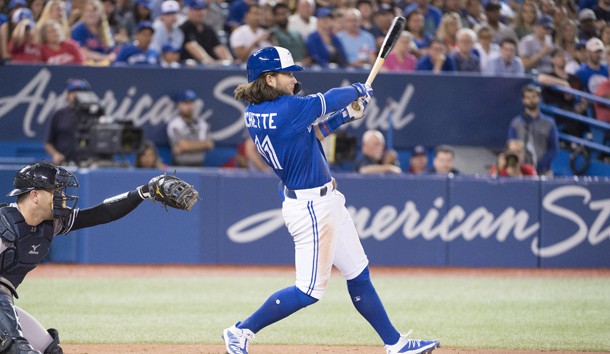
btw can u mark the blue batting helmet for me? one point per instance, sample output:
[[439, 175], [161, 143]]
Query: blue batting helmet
[[270, 59]]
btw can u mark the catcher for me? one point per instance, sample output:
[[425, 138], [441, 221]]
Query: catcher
[[45, 209]]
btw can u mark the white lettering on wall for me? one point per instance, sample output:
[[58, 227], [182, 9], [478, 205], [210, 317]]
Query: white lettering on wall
[[455, 224]]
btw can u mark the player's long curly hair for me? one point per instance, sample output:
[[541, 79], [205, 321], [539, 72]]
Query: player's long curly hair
[[257, 91]]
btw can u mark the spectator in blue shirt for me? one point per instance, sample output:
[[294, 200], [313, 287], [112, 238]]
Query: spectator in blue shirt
[[93, 34], [323, 46], [593, 72], [508, 63], [438, 60], [139, 53], [432, 15]]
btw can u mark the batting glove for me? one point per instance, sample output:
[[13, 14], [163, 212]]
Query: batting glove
[[364, 90], [351, 113]]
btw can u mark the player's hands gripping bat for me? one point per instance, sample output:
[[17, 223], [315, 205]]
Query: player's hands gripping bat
[[398, 25], [172, 191]]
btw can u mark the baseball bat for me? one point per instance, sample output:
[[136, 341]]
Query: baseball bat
[[398, 25]]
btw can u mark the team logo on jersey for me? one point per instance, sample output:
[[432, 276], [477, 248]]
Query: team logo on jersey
[[34, 248]]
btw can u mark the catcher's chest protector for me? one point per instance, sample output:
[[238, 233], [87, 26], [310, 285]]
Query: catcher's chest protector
[[25, 245]]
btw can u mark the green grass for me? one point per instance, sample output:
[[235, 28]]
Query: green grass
[[467, 312]]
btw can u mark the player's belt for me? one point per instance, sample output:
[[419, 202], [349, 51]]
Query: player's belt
[[311, 192]]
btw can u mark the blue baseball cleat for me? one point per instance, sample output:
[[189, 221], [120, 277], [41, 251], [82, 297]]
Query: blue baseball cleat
[[237, 340], [412, 346]]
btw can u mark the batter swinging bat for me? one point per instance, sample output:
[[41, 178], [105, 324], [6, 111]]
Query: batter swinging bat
[[398, 25]]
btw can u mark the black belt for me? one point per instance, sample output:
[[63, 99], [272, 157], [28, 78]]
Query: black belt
[[323, 190]]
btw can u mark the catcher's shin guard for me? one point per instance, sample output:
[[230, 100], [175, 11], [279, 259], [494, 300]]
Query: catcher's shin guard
[[11, 338], [54, 347], [17, 345]]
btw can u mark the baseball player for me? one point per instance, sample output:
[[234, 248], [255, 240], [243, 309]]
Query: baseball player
[[282, 125], [43, 210]]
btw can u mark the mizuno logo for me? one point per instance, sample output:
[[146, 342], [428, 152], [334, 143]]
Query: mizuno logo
[[33, 250]]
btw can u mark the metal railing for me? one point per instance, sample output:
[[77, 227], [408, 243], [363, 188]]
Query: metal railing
[[599, 130]]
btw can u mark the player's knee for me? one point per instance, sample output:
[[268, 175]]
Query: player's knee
[[309, 294], [53, 347], [363, 277], [305, 299]]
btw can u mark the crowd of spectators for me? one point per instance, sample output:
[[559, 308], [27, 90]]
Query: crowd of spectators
[[561, 42], [485, 36]]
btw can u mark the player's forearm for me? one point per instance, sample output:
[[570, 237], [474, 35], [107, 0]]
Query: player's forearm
[[339, 97], [109, 210]]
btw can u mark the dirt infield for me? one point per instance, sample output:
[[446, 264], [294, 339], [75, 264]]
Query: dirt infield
[[270, 349], [91, 271]]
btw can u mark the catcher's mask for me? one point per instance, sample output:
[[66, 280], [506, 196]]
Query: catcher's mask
[[43, 175]]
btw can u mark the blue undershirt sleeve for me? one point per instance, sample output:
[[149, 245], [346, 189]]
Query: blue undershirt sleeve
[[340, 97]]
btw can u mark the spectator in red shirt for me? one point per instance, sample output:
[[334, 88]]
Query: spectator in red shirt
[[602, 112], [22, 46], [55, 48], [510, 162]]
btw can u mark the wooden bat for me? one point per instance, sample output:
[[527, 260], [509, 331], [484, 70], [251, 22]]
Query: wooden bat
[[398, 25]]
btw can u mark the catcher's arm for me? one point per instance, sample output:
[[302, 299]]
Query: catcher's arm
[[170, 191]]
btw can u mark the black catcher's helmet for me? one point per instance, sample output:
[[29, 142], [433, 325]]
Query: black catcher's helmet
[[43, 175]]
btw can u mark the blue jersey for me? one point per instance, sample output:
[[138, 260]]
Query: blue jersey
[[133, 55], [284, 136]]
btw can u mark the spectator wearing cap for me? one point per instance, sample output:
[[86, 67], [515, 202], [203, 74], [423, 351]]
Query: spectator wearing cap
[[507, 63], [602, 11], [61, 143], [201, 43], [432, 15], [536, 130], [535, 48], [373, 158], [55, 48], [170, 57], [592, 72], [139, 52], [382, 21], [167, 29], [359, 45], [94, 36], [237, 13], [498, 29], [588, 28], [188, 134], [6, 28], [577, 57], [400, 58], [55, 10], [287, 38], [418, 161], [323, 46], [141, 11], [23, 45], [465, 57], [303, 20], [249, 37]]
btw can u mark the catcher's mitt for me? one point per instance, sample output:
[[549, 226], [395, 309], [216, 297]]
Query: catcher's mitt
[[172, 191]]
